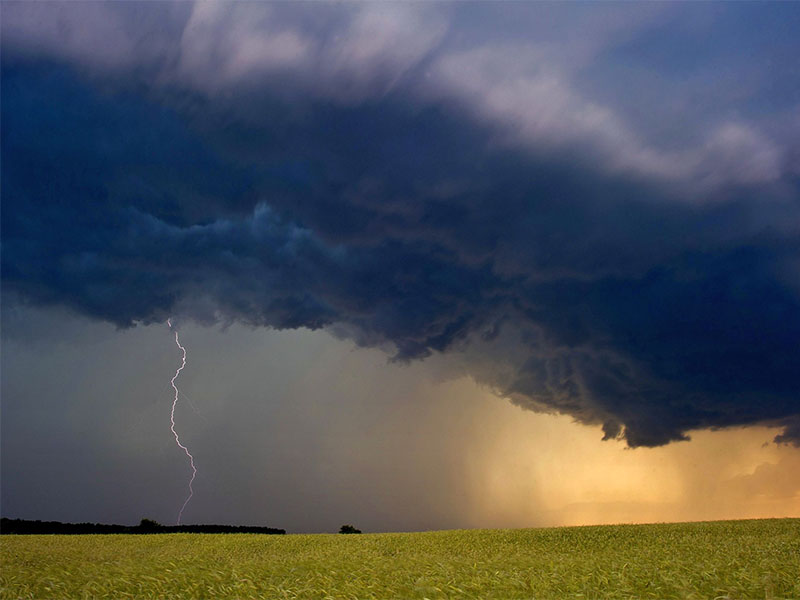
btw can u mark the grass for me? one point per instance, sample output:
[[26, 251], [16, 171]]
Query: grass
[[725, 559]]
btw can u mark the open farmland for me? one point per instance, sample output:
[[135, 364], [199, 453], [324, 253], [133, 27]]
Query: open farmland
[[725, 559]]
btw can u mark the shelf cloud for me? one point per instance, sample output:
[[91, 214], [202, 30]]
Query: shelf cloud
[[592, 226]]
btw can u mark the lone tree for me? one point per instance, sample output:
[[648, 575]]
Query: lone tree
[[349, 529]]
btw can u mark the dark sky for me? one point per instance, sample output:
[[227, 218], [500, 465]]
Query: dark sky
[[590, 210]]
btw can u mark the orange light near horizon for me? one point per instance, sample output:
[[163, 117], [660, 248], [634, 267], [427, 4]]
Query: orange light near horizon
[[545, 470]]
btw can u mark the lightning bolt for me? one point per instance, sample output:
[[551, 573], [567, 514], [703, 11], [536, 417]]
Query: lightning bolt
[[172, 421]]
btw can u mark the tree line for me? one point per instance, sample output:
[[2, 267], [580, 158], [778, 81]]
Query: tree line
[[23, 527]]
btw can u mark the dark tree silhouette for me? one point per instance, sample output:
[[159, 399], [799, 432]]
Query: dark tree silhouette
[[349, 529], [149, 526]]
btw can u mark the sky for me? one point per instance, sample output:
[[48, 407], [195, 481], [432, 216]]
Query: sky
[[434, 265]]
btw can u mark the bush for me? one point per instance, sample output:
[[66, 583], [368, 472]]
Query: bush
[[149, 525], [349, 529]]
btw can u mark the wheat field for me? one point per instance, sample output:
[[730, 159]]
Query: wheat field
[[714, 560]]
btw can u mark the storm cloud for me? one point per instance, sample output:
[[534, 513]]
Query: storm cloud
[[594, 226]]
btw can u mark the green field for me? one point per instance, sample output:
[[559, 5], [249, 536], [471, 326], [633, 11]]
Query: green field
[[726, 559]]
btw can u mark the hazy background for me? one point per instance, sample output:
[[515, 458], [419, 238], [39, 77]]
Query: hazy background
[[303, 431], [589, 210]]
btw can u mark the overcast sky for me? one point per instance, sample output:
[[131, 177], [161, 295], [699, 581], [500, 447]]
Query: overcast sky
[[435, 265]]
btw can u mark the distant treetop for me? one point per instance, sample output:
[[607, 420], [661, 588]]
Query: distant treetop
[[349, 529]]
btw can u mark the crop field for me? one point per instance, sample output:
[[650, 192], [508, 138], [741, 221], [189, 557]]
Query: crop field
[[725, 559]]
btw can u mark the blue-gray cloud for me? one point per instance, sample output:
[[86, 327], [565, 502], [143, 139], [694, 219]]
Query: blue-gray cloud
[[408, 178]]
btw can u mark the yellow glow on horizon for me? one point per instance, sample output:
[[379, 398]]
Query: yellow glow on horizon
[[530, 469], [480, 461]]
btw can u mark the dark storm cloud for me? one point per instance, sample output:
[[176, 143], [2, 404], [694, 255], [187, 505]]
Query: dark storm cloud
[[372, 170]]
